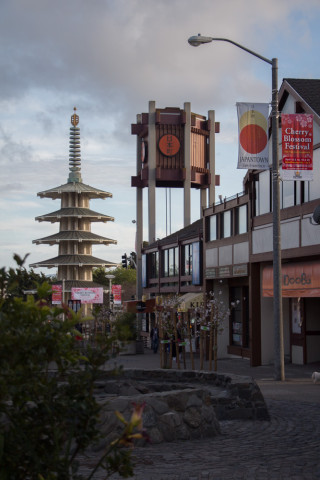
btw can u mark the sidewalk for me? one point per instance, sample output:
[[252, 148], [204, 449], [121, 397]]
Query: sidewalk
[[298, 384]]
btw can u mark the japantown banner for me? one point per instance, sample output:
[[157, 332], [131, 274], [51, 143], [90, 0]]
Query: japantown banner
[[253, 135], [297, 146]]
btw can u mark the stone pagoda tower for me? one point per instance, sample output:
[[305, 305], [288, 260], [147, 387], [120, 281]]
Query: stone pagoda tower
[[75, 239]]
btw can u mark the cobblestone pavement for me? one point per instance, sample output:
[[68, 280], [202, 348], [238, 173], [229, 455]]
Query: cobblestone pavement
[[285, 448]]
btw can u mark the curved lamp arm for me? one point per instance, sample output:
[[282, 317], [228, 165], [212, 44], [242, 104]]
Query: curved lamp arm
[[197, 40]]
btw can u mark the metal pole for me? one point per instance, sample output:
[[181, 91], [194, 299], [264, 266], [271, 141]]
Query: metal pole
[[277, 293], [279, 373]]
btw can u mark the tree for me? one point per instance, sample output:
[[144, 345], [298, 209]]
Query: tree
[[16, 281], [126, 277], [48, 411]]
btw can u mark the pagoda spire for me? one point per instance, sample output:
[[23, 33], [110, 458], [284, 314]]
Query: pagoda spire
[[74, 150]]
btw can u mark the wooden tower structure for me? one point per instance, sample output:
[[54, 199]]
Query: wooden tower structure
[[175, 149]]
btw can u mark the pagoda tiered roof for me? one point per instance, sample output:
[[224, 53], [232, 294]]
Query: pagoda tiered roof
[[76, 260], [74, 187], [77, 212], [75, 235]]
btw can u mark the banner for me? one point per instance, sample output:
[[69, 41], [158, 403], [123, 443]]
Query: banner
[[56, 294], [116, 292], [87, 295], [297, 146], [253, 135]]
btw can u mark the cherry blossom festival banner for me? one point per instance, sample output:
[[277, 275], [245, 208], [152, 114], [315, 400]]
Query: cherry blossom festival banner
[[297, 146], [253, 135], [56, 294], [116, 292], [87, 295]]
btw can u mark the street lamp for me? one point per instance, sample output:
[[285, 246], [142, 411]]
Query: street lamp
[[196, 41], [110, 277]]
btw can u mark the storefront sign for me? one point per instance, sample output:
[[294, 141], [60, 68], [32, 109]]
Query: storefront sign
[[240, 270], [298, 280], [224, 272], [211, 272]]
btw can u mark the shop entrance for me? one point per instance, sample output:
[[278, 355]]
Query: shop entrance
[[305, 330]]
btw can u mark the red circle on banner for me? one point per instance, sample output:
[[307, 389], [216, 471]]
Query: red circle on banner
[[253, 139], [169, 145]]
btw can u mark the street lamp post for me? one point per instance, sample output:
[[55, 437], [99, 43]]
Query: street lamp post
[[279, 374], [110, 277]]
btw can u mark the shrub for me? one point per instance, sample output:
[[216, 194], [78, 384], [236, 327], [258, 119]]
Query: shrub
[[125, 326], [48, 411]]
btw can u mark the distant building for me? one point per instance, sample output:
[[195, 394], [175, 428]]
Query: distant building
[[74, 239]]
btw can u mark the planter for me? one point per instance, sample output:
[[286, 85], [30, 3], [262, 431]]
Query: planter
[[127, 348]]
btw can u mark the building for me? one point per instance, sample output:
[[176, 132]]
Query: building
[[75, 238], [236, 244], [238, 253]]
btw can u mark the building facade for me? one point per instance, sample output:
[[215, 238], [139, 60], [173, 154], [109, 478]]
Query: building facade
[[238, 252]]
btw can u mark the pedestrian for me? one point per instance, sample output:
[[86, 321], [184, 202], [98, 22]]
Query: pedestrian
[[151, 337], [155, 339]]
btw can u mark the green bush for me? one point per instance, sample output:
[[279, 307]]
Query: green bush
[[125, 327], [48, 411]]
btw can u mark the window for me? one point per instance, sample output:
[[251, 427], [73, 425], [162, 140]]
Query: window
[[288, 197], [213, 230], [154, 264], [263, 193], [187, 259], [226, 226], [239, 318], [241, 220], [171, 262]]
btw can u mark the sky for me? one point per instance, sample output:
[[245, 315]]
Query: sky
[[109, 58]]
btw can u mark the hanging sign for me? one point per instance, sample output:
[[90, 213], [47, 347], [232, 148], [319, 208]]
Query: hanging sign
[[116, 292], [253, 135], [56, 294], [87, 295], [297, 146]]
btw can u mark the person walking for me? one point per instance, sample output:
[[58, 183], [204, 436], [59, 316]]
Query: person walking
[[155, 339]]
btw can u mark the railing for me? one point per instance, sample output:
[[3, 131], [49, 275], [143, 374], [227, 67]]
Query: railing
[[228, 199]]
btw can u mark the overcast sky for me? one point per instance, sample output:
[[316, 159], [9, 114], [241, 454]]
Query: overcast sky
[[109, 58]]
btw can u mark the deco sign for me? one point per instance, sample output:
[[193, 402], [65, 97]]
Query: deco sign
[[169, 145]]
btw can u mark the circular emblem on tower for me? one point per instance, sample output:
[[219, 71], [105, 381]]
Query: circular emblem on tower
[[169, 145]]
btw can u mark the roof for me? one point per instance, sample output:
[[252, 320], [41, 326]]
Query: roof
[[307, 89], [193, 230], [74, 187], [77, 260], [75, 212], [74, 235]]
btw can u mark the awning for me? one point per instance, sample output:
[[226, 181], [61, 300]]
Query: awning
[[139, 306], [190, 300], [298, 280]]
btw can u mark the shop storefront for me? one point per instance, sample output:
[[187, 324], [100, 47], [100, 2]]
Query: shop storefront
[[301, 287]]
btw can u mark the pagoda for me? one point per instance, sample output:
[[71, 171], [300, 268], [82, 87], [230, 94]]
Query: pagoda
[[75, 239]]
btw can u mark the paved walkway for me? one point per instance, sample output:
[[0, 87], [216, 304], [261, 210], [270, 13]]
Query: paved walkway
[[285, 448]]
